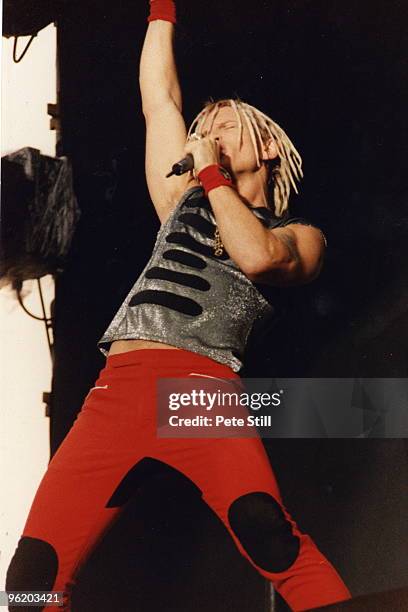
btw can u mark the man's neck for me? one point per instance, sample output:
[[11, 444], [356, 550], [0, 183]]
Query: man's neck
[[252, 188]]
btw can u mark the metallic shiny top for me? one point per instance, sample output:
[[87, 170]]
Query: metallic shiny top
[[188, 297]]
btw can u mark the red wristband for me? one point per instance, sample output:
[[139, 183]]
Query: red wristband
[[214, 176], [162, 9]]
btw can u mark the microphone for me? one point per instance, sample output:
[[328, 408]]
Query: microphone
[[182, 166]]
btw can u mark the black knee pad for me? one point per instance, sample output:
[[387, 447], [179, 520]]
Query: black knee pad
[[260, 524], [33, 567]]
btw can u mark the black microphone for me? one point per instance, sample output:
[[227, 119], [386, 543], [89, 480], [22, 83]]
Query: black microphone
[[182, 166]]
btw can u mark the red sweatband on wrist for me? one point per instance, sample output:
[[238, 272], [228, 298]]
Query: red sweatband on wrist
[[214, 176], [162, 9]]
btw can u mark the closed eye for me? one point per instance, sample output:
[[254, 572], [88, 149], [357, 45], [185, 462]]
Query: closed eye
[[227, 126]]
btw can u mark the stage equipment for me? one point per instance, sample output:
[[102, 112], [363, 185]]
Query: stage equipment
[[25, 17], [38, 217]]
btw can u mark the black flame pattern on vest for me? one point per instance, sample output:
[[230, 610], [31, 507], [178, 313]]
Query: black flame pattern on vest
[[192, 260]]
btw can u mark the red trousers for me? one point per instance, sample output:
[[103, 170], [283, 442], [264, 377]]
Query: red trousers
[[116, 430]]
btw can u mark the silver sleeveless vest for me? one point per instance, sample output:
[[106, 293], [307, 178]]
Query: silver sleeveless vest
[[188, 297]]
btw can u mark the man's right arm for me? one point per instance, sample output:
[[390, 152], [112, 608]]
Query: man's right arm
[[162, 109]]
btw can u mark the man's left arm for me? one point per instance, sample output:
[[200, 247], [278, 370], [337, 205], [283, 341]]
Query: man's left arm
[[282, 256], [297, 255]]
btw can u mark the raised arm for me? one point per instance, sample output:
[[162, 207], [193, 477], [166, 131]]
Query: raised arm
[[162, 109]]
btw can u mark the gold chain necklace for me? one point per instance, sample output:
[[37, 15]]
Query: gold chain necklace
[[218, 246]]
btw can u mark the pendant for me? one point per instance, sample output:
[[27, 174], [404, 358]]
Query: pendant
[[218, 246]]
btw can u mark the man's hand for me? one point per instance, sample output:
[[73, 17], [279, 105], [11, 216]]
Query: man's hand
[[205, 151]]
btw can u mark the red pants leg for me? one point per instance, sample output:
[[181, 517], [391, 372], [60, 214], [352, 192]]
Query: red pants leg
[[71, 509], [237, 482]]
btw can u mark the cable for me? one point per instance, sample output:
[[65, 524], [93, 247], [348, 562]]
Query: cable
[[48, 321], [30, 314], [25, 50]]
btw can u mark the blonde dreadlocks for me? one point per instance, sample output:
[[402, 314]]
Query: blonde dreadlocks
[[281, 175]]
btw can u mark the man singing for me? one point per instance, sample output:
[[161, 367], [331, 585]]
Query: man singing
[[225, 228]]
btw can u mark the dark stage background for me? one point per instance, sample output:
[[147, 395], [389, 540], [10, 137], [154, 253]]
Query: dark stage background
[[333, 75]]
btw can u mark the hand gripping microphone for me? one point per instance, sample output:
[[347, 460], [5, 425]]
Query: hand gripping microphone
[[182, 166]]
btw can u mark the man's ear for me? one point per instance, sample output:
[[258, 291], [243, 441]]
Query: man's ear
[[269, 150]]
